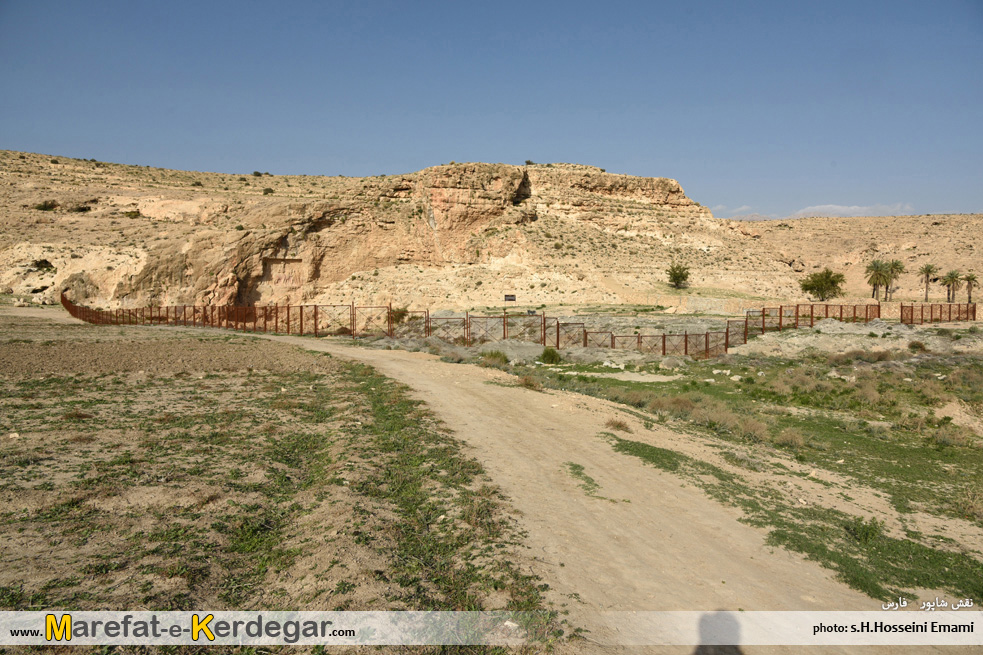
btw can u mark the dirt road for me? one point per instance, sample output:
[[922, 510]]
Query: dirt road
[[651, 542]]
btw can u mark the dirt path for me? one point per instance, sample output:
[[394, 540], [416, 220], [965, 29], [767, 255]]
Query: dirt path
[[664, 545]]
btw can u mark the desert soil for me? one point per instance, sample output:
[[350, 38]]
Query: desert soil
[[650, 541]]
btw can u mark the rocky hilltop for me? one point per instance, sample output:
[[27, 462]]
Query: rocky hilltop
[[450, 236]]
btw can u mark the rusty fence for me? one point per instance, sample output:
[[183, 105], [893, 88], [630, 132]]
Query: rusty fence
[[937, 313], [784, 317], [468, 330]]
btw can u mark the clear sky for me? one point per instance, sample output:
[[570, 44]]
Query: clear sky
[[774, 108]]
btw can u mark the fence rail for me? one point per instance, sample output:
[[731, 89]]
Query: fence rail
[[937, 313], [381, 320]]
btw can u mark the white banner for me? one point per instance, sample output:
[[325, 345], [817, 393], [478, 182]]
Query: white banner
[[952, 625]]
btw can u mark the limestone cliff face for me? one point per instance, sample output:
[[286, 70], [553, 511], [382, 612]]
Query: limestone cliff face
[[210, 238]]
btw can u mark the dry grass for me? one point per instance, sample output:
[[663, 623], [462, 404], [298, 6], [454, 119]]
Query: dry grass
[[790, 438], [617, 424], [529, 382]]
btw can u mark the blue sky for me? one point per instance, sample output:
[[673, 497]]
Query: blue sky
[[773, 108]]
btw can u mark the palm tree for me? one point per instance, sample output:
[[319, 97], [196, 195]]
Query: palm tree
[[971, 281], [894, 270], [952, 281], [927, 271], [877, 276]]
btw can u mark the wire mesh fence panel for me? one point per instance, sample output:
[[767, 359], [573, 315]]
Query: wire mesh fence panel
[[572, 335], [599, 339], [526, 328], [788, 316], [696, 345], [484, 329], [625, 342], [736, 332], [334, 320], [552, 331], [717, 343], [650, 343], [908, 314], [449, 329], [675, 344], [771, 318], [412, 326], [371, 321]]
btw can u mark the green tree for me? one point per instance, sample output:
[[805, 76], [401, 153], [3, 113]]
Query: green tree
[[678, 275], [927, 271], [824, 285], [971, 281], [877, 276], [894, 270], [952, 281]]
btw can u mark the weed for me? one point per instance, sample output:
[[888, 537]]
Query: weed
[[530, 382]]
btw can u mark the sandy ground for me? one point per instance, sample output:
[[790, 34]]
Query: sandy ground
[[664, 546]]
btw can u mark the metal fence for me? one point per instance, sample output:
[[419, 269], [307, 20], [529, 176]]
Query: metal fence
[[784, 317], [937, 313], [381, 320]]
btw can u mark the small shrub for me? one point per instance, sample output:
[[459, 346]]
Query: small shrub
[[47, 205], [791, 438], [399, 315], [135, 213], [970, 504], [550, 356], [267, 191], [529, 382], [752, 429], [55, 161], [240, 227], [917, 347], [257, 174], [80, 209], [494, 357], [865, 532], [197, 183], [617, 424]]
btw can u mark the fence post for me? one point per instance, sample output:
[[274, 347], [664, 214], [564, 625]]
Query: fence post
[[315, 321], [390, 319], [781, 315], [301, 320], [428, 323], [708, 345], [467, 328], [543, 330], [505, 325], [685, 343], [353, 319], [727, 339], [663, 344], [558, 330], [585, 336]]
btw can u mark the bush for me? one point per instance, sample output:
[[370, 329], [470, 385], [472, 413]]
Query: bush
[[550, 356], [865, 532], [789, 437], [133, 214], [917, 347], [678, 275], [47, 205], [267, 191], [257, 174], [529, 382], [197, 183], [493, 357], [399, 315]]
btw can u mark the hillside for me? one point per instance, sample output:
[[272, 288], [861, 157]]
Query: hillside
[[451, 236]]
